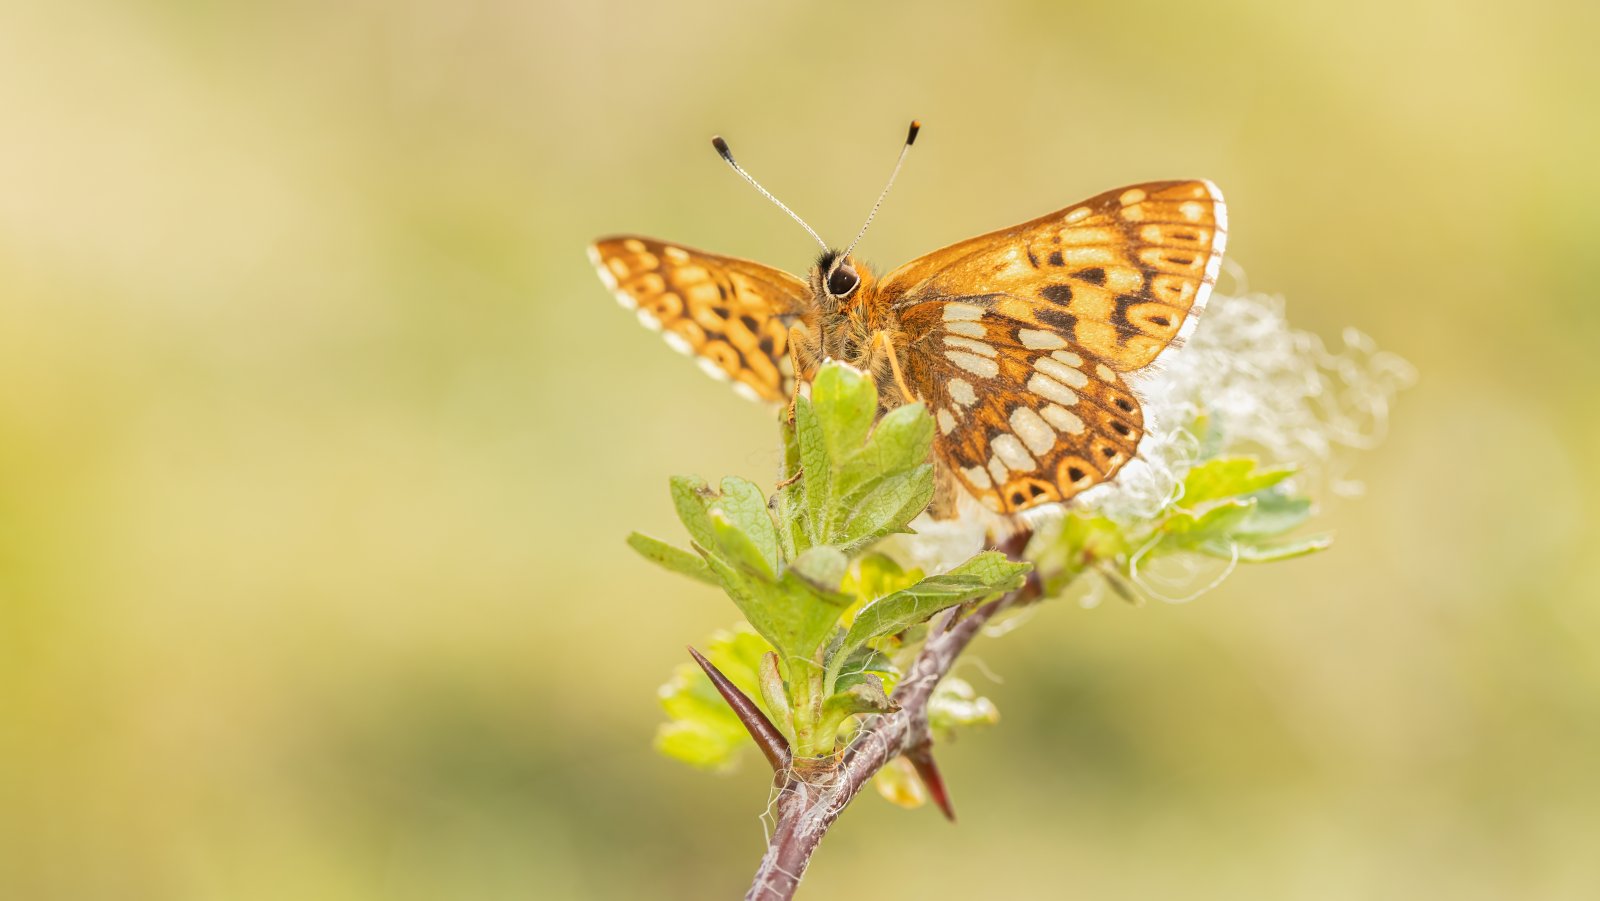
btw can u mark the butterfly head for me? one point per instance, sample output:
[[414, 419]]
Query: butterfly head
[[836, 277]]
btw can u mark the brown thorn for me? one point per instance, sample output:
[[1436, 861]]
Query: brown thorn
[[767, 737], [921, 758]]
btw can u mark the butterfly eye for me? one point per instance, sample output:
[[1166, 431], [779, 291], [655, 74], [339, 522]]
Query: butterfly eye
[[843, 280]]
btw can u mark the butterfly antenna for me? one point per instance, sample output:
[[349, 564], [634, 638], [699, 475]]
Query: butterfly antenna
[[722, 149], [911, 138]]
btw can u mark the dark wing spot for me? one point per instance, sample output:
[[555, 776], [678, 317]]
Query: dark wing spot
[[1123, 405], [1075, 474], [1161, 321], [1121, 428], [1061, 294], [1058, 319], [1107, 452], [751, 323], [1056, 260], [1033, 260], [1095, 276]]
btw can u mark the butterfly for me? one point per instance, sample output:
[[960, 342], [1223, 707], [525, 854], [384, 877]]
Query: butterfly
[[1019, 341]]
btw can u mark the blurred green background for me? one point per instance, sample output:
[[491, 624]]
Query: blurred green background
[[319, 439]]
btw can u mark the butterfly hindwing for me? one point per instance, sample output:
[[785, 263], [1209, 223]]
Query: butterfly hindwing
[[1024, 418], [733, 315], [1116, 275]]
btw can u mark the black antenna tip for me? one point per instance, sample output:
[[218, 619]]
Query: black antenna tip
[[911, 136], [722, 147]]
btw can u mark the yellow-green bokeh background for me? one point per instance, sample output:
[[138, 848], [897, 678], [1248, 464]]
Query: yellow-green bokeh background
[[318, 441]]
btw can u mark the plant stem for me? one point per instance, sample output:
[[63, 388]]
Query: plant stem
[[809, 803]]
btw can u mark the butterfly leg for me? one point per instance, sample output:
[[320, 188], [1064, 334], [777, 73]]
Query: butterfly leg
[[894, 367]]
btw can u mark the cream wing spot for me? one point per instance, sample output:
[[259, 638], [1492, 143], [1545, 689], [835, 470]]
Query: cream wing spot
[[967, 327], [1069, 358], [947, 422], [1034, 339], [1034, 431], [1063, 419], [633, 245], [710, 367], [978, 476], [677, 342], [1012, 453], [979, 366], [1105, 373], [1132, 196], [955, 312], [977, 347], [998, 469], [746, 392], [1061, 372], [1050, 389], [961, 392], [649, 320], [675, 254]]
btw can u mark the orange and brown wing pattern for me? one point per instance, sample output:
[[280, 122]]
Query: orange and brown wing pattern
[[733, 315], [1117, 275], [1024, 417]]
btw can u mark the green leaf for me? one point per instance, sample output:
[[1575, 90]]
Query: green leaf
[[816, 479], [983, 576], [669, 557], [1228, 477], [1266, 551], [865, 695], [1275, 514], [846, 401], [887, 509], [744, 506], [901, 441], [823, 567], [689, 498]]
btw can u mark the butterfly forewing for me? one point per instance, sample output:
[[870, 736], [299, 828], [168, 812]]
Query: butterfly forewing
[[1116, 275], [1017, 338], [733, 315]]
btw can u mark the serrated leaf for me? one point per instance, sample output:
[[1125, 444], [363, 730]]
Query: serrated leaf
[[690, 498], [744, 506], [669, 557], [901, 441], [735, 546], [888, 508]]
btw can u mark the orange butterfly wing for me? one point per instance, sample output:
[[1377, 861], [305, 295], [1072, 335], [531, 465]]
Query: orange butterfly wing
[[1016, 338], [733, 315]]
